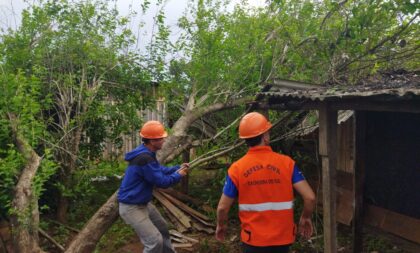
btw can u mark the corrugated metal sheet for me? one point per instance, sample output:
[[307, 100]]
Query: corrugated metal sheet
[[334, 93], [393, 86]]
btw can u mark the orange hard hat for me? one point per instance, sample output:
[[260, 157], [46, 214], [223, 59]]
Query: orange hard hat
[[252, 125], [153, 129]]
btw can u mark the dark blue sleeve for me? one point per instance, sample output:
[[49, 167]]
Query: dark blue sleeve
[[154, 174], [170, 170], [230, 189], [297, 175]]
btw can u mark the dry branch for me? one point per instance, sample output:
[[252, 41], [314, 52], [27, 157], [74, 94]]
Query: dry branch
[[64, 225], [49, 238]]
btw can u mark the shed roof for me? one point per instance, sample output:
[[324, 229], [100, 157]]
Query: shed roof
[[292, 94]]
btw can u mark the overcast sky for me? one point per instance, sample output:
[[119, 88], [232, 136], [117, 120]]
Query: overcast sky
[[10, 13]]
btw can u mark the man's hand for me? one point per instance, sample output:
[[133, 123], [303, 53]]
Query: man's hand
[[220, 232], [305, 227], [183, 171]]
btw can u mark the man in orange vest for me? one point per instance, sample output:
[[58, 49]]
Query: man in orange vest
[[263, 182], [135, 194]]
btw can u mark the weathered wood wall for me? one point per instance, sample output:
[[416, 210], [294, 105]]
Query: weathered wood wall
[[345, 157]]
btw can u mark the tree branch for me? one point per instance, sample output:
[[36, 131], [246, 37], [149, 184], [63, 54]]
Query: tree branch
[[49, 238], [381, 43], [329, 14]]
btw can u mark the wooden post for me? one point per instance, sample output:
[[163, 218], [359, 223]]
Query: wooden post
[[328, 153], [184, 180], [358, 178]]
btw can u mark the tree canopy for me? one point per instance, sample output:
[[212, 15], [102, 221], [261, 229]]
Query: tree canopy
[[72, 79]]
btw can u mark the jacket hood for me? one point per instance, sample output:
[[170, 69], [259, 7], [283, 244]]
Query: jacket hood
[[135, 152]]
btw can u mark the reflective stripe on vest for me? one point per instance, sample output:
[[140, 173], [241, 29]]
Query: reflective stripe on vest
[[268, 206]]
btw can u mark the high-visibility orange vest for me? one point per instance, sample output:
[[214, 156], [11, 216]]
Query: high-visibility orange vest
[[265, 196]]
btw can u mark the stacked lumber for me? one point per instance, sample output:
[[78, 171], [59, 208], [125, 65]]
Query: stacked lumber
[[183, 217]]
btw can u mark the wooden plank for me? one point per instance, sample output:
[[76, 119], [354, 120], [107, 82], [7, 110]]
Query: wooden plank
[[183, 219], [359, 151], [181, 196], [202, 228], [328, 152], [178, 234], [392, 222], [186, 208], [183, 246], [344, 206], [181, 228], [185, 198], [178, 240]]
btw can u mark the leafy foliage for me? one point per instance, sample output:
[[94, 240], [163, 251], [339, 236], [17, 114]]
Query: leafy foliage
[[70, 75]]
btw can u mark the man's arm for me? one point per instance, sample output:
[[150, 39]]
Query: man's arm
[[309, 200], [223, 208]]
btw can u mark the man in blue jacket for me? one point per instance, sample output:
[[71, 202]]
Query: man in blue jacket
[[142, 174]]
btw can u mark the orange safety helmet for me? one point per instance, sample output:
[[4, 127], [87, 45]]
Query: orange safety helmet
[[252, 125], [153, 129]]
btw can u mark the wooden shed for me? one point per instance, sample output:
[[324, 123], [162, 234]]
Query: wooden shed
[[378, 146]]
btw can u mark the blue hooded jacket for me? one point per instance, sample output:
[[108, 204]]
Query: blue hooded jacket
[[142, 174]]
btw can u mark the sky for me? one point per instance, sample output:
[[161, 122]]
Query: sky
[[10, 11]]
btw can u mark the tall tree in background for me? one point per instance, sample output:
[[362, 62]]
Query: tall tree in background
[[80, 53]]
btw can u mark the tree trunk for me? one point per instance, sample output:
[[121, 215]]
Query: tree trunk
[[87, 239], [68, 159], [25, 214], [63, 205]]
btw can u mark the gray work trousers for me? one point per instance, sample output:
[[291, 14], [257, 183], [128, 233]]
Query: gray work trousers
[[149, 225]]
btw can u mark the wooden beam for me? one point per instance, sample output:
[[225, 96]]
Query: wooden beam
[[328, 153], [185, 208], [181, 228], [392, 222], [359, 151], [182, 218]]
